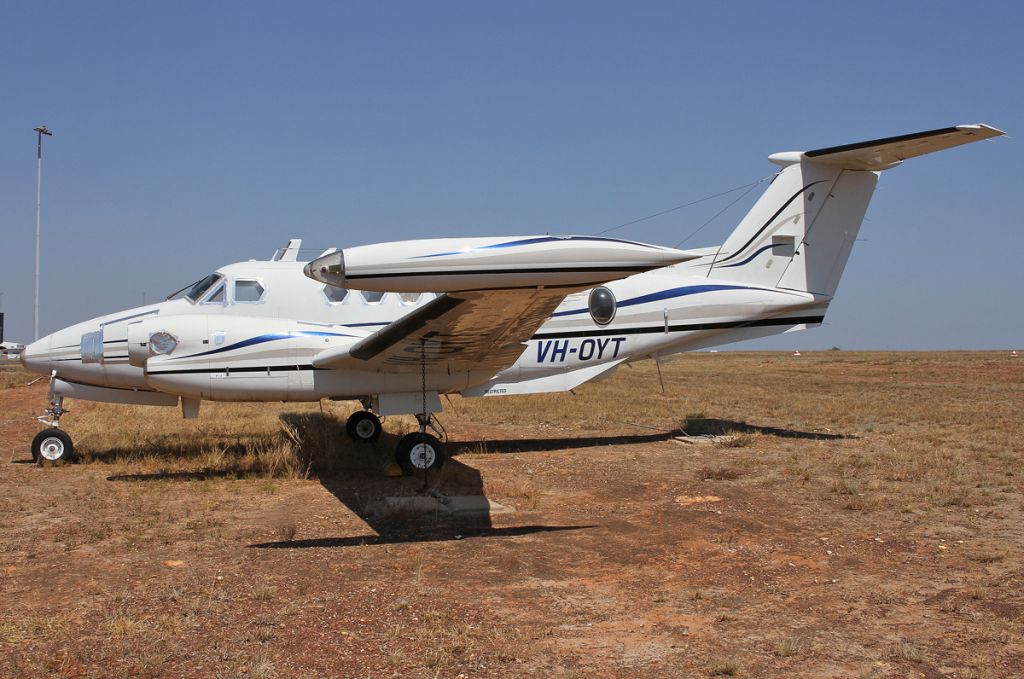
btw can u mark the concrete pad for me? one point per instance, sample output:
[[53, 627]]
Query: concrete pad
[[704, 439], [474, 505], [448, 505]]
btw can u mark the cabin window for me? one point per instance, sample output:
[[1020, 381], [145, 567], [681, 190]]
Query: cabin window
[[248, 292], [409, 297], [602, 305], [335, 295], [371, 297]]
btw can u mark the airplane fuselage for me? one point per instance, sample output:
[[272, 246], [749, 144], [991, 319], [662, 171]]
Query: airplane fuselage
[[262, 350]]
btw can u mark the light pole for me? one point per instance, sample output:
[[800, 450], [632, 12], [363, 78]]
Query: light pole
[[39, 187]]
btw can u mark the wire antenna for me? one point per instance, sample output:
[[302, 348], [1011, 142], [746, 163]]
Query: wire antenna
[[721, 212], [749, 187]]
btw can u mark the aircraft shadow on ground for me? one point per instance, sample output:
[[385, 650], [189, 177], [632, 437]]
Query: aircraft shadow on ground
[[714, 426], [411, 535], [354, 475], [501, 446], [692, 427], [363, 495]]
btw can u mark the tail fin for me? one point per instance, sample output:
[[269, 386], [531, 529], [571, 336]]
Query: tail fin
[[799, 234]]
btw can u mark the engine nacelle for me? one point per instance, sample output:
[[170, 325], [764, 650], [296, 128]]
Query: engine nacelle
[[454, 264]]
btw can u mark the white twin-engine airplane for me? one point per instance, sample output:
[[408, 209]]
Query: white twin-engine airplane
[[394, 325]]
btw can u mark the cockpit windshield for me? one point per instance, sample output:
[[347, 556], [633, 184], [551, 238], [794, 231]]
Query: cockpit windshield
[[196, 290]]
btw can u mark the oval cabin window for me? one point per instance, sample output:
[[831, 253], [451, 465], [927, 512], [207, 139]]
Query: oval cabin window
[[602, 305]]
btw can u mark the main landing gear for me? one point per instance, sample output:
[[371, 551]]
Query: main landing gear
[[363, 426], [420, 450], [416, 451], [52, 445]]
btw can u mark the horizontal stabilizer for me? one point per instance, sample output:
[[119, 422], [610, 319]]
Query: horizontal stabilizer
[[882, 154]]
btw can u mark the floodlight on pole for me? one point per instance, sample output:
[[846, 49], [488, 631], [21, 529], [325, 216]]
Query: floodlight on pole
[[39, 186]]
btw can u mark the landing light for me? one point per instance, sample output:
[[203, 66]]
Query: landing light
[[162, 342]]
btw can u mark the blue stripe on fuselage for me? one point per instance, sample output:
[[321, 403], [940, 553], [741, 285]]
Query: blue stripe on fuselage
[[751, 257], [531, 241], [665, 294], [269, 337]]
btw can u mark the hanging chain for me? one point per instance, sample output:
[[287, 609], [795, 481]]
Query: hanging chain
[[423, 380]]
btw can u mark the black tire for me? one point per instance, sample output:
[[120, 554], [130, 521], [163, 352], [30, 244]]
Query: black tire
[[363, 426], [52, 446], [419, 452]]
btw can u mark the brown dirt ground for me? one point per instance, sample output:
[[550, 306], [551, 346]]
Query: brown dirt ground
[[865, 522]]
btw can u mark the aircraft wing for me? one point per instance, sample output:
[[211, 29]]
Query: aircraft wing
[[477, 330], [494, 294]]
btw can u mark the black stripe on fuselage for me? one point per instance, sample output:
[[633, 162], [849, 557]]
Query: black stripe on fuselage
[[247, 369], [687, 327], [500, 272], [766, 224]]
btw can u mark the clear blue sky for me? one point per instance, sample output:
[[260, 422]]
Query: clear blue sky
[[190, 135]]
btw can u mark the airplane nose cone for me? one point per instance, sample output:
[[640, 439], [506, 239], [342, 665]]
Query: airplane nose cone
[[36, 356]]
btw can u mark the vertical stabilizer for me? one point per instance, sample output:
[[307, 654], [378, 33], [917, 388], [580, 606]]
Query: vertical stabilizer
[[822, 251], [771, 236], [799, 234]]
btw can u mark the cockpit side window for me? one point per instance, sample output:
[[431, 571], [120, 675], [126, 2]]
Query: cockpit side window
[[248, 292], [217, 296], [196, 290]]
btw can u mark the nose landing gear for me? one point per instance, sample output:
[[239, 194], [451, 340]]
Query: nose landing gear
[[52, 445]]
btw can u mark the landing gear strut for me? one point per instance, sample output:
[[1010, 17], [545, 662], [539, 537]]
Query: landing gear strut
[[421, 450], [52, 445]]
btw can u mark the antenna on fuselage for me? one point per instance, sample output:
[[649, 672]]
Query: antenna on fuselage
[[289, 253]]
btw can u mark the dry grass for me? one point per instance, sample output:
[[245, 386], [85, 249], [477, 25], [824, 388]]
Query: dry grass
[[905, 650], [725, 667], [859, 482], [13, 375], [788, 646], [232, 440], [955, 455], [718, 473]]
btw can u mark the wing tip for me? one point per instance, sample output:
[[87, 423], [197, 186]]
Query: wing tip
[[986, 131]]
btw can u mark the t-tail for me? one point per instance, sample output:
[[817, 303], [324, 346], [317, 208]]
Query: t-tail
[[799, 234]]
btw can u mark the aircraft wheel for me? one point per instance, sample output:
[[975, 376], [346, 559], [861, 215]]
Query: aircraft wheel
[[52, 446], [419, 452], [363, 426]]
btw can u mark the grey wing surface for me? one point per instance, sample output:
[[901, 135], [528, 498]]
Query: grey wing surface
[[475, 330]]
